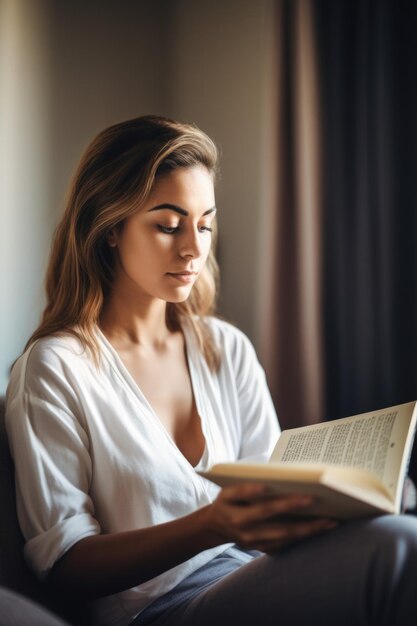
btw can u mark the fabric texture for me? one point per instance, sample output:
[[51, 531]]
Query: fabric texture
[[91, 456], [200, 580], [14, 572], [11, 541], [16, 610], [360, 573]]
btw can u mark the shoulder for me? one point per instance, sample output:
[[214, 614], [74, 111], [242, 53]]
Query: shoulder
[[235, 345], [49, 363], [54, 346], [223, 330], [54, 353]]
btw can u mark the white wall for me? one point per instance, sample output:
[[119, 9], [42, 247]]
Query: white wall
[[69, 69], [24, 172]]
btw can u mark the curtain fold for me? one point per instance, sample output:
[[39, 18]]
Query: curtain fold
[[295, 355], [344, 334], [367, 54]]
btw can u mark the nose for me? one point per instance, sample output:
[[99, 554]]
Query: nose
[[190, 244]]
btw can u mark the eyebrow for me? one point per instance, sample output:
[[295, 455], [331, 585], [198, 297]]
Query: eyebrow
[[178, 209]]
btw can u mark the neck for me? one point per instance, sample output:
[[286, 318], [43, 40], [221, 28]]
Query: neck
[[128, 322]]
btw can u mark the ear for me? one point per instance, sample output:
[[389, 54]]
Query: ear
[[112, 238]]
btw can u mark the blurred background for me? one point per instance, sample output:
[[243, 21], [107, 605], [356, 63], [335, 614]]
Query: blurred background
[[313, 105]]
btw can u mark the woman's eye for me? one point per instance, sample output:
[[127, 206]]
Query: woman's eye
[[168, 230], [205, 229]]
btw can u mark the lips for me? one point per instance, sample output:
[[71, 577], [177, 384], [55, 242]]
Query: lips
[[183, 276]]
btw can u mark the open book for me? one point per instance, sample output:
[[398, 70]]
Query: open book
[[353, 467]]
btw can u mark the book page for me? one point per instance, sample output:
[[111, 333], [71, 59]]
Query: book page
[[372, 441]]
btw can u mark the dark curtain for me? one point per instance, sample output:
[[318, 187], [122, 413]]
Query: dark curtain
[[367, 72]]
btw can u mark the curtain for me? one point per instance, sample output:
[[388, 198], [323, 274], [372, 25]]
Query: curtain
[[344, 337], [367, 54], [294, 353], [367, 51]]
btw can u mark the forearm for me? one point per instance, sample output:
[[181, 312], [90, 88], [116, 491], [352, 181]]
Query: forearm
[[105, 564], [245, 514]]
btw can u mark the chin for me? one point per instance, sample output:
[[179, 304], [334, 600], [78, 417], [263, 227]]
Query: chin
[[178, 297], [178, 300]]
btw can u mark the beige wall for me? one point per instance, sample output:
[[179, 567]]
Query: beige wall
[[222, 78], [107, 64], [24, 171], [71, 68]]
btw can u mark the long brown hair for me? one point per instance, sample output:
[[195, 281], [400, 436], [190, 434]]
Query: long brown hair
[[114, 176]]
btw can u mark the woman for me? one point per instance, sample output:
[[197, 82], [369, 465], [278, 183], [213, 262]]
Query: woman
[[129, 386]]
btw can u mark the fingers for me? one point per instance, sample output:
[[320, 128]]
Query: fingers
[[253, 518], [276, 507], [260, 505], [244, 493], [276, 536]]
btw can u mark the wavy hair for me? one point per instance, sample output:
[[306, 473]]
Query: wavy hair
[[114, 177]]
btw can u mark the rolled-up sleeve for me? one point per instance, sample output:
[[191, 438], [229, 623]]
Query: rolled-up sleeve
[[53, 470]]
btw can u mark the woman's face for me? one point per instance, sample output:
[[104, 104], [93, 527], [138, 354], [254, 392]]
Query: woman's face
[[163, 247]]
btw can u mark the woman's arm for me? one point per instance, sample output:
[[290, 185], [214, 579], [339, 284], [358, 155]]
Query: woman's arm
[[105, 564]]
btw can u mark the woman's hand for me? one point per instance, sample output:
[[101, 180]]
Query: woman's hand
[[250, 517]]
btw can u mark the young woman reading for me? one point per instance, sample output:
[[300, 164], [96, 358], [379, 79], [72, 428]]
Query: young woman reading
[[130, 385]]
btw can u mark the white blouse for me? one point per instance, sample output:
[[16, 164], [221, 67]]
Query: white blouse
[[91, 456]]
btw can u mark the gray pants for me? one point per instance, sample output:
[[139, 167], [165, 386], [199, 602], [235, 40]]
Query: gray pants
[[362, 573]]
